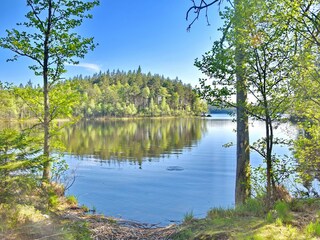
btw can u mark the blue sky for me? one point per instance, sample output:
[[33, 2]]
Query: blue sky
[[149, 33]]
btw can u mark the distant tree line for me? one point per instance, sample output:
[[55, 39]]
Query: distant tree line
[[112, 94], [214, 109]]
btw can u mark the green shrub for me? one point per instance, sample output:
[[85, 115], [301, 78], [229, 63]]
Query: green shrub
[[269, 217], [72, 200], [283, 212], [85, 208], [183, 235], [297, 205], [252, 207], [78, 231], [220, 213], [13, 215], [53, 201], [279, 222], [313, 229]]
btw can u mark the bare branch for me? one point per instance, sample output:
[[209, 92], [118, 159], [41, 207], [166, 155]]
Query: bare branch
[[197, 8]]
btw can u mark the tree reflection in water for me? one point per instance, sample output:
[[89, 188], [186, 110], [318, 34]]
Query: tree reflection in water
[[132, 140]]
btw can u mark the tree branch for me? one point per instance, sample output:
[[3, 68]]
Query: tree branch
[[197, 8]]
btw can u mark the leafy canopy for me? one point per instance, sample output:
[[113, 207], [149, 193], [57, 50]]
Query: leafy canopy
[[49, 37]]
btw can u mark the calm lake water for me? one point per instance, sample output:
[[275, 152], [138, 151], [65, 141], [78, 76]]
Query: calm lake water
[[155, 171]]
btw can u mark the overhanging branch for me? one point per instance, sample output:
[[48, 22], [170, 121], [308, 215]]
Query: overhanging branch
[[198, 7]]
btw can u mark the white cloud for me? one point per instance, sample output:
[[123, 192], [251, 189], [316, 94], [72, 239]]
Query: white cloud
[[88, 66]]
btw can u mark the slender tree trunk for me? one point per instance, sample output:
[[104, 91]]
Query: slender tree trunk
[[243, 189], [270, 176], [269, 164], [271, 149], [46, 121], [46, 127]]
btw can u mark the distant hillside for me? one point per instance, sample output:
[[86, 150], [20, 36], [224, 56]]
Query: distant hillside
[[116, 94]]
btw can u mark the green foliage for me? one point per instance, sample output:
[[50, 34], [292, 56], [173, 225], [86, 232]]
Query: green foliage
[[277, 84], [183, 235], [62, 45], [258, 180], [13, 215], [19, 188], [283, 212], [9, 108], [188, 217], [59, 169], [53, 201], [279, 222], [48, 39], [78, 230], [85, 208], [252, 207], [270, 217], [72, 200], [307, 153], [306, 108], [297, 205], [105, 95], [220, 213], [19, 164], [115, 94], [313, 229]]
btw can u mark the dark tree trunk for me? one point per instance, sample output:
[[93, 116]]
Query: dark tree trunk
[[46, 120], [270, 176]]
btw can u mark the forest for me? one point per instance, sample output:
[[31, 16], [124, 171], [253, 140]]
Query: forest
[[263, 68], [110, 94]]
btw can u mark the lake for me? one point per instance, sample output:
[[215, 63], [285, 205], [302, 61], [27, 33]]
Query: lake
[[155, 170]]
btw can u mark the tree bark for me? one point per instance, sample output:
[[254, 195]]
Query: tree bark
[[46, 127], [243, 189], [46, 120]]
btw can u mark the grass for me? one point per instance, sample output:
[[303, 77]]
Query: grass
[[188, 217], [33, 212], [36, 216], [72, 200], [313, 229], [85, 208], [283, 212], [253, 222], [270, 217]]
